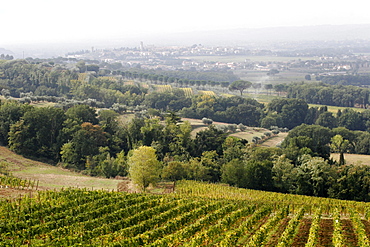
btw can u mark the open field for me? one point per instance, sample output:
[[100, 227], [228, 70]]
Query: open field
[[52, 177], [355, 159]]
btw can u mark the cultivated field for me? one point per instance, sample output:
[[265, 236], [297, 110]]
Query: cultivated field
[[197, 214]]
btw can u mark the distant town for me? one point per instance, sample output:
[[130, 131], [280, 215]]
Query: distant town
[[220, 58]]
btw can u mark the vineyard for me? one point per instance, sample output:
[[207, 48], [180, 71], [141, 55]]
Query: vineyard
[[210, 93], [197, 214], [163, 88], [188, 92]]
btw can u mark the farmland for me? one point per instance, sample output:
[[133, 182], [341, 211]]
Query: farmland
[[198, 214]]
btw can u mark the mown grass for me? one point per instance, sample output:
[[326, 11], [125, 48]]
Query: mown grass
[[52, 177]]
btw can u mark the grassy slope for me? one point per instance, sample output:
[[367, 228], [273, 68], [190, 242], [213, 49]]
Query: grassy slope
[[52, 177]]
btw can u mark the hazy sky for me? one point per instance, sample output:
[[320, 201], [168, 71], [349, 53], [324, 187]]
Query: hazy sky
[[30, 21]]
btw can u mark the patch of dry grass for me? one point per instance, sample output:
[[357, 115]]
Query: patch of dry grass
[[354, 159], [52, 177]]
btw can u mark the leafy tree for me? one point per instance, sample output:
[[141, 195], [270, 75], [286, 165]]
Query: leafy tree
[[233, 173], [280, 88], [10, 113], [353, 183], [313, 176], [240, 86], [233, 148], [247, 114], [273, 72], [152, 131], [174, 170], [195, 170], [268, 87], [81, 65], [294, 113], [210, 160], [85, 144], [362, 143], [326, 119], [258, 174], [207, 121], [318, 139], [272, 119], [340, 145], [351, 119], [144, 167], [92, 67], [37, 133], [105, 165], [283, 174], [82, 113], [209, 140]]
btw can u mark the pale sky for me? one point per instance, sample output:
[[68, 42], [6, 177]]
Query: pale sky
[[35, 21]]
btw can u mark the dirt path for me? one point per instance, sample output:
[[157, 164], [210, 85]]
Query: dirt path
[[274, 141]]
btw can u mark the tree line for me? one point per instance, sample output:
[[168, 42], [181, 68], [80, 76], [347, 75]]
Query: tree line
[[326, 94]]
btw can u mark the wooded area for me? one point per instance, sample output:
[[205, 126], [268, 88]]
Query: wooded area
[[76, 136]]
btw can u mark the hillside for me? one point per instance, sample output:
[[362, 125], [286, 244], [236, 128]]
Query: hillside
[[51, 177], [197, 125], [198, 214]]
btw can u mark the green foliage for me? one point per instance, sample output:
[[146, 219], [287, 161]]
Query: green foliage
[[233, 173], [352, 183], [209, 140], [10, 113], [313, 176], [82, 113], [144, 167], [37, 133], [292, 112], [85, 144], [258, 175], [324, 94], [317, 139], [174, 170], [240, 85], [340, 145], [283, 174]]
